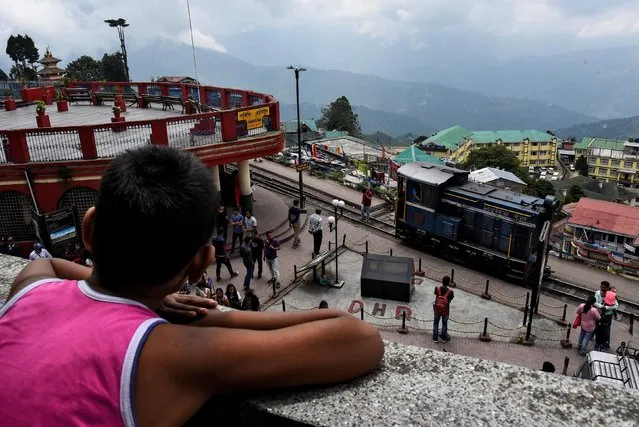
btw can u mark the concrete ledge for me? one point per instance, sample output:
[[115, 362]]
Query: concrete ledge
[[418, 386]]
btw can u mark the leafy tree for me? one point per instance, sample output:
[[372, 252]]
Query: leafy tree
[[22, 50], [85, 69], [20, 72], [573, 194], [339, 115], [582, 166], [3, 75], [113, 68], [540, 188], [494, 156]]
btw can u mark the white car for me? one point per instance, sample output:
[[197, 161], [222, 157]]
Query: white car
[[572, 168]]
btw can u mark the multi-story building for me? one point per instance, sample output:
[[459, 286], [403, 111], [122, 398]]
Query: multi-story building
[[603, 233], [532, 147], [611, 160]]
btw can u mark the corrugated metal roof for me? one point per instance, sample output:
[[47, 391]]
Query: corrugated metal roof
[[450, 138], [291, 125], [491, 136], [414, 154], [611, 217], [487, 175], [429, 172], [606, 144]]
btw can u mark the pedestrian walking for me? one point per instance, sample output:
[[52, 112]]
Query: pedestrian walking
[[315, 228], [367, 200], [250, 224], [222, 258], [247, 259], [588, 316], [270, 256], [257, 250], [602, 333], [294, 214], [222, 222], [237, 222], [443, 296]]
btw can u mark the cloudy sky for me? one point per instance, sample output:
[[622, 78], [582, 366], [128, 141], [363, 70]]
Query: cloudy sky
[[328, 33]]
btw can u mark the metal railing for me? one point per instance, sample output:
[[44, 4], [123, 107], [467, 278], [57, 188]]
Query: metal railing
[[116, 138]]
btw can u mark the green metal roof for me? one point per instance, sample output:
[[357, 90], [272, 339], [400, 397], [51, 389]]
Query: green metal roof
[[491, 136], [606, 144], [291, 125], [414, 154], [335, 133], [450, 138]]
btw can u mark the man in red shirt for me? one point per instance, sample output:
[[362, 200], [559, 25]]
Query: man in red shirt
[[367, 199]]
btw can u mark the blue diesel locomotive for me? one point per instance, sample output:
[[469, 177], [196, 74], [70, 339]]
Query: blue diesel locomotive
[[476, 223]]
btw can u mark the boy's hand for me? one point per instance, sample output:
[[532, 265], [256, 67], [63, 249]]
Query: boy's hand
[[179, 308]]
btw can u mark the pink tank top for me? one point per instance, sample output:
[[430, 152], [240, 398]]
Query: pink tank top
[[68, 355]]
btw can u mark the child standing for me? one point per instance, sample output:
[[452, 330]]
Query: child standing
[[610, 299]]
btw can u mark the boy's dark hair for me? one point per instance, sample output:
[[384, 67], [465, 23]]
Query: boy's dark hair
[[248, 212], [445, 280], [296, 202], [318, 211], [605, 284], [159, 202], [237, 209], [548, 367]]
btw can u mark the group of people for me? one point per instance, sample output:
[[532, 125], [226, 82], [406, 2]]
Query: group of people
[[231, 298], [254, 250], [8, 246], [595, 318]]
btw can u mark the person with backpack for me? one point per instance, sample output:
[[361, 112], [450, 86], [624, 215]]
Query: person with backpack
[[443, 296]]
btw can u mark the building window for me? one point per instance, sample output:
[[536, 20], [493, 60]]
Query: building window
[[516, 144], [534, 144], [616, 162], [543, 144], [591, 170], [603, 171], [533, 153], [604, 162], [543, 153], [627, 164], [614, 172], [592, 160]]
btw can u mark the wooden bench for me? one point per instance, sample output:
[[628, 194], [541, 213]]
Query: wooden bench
[[101, 97], [77, 95]]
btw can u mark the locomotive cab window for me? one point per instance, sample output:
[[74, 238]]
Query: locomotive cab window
[[419, 193]]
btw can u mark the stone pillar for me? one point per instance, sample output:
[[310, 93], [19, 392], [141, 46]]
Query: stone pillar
[[244, 176], [215, 172]]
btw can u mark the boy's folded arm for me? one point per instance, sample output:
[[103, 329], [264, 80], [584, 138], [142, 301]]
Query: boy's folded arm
[[264, 321], [186, 365], [48, 268]]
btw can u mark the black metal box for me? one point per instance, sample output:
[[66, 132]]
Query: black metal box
[[387, 277]]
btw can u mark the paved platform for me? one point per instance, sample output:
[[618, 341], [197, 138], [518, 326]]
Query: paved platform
[[340, 191], [467, 314], [78, 114]]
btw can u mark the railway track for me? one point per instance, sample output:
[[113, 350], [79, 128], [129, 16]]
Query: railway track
[[323, 200], [580, 294]]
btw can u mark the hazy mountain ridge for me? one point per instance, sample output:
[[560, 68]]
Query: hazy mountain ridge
[[434, 105], [613, 129]]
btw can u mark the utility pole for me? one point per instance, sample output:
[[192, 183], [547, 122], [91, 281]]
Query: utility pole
[[121, 24], [297, 71]]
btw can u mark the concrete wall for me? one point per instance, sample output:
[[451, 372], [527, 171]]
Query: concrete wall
[[418, 386]]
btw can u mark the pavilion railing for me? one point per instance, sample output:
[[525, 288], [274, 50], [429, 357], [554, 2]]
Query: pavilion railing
[[244, 114]]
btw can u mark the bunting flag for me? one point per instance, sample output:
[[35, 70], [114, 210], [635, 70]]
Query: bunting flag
[[314, 151]]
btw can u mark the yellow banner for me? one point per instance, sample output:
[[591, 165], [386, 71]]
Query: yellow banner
[[254, 118]]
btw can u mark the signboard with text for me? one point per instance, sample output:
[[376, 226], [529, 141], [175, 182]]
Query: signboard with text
[[254, 118], [56, 230]]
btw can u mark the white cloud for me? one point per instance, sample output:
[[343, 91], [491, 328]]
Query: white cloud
[[76, 26]]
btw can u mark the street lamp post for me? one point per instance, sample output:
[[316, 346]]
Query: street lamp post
[[297, 71], [121, 24], [332, 221]]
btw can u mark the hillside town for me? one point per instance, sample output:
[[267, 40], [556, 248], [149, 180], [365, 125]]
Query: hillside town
[[348, 232]]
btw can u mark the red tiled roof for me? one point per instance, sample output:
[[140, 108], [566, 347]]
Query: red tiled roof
[[606, 216]]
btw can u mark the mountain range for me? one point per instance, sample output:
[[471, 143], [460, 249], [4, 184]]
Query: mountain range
[[427, 106], [621, 129]]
